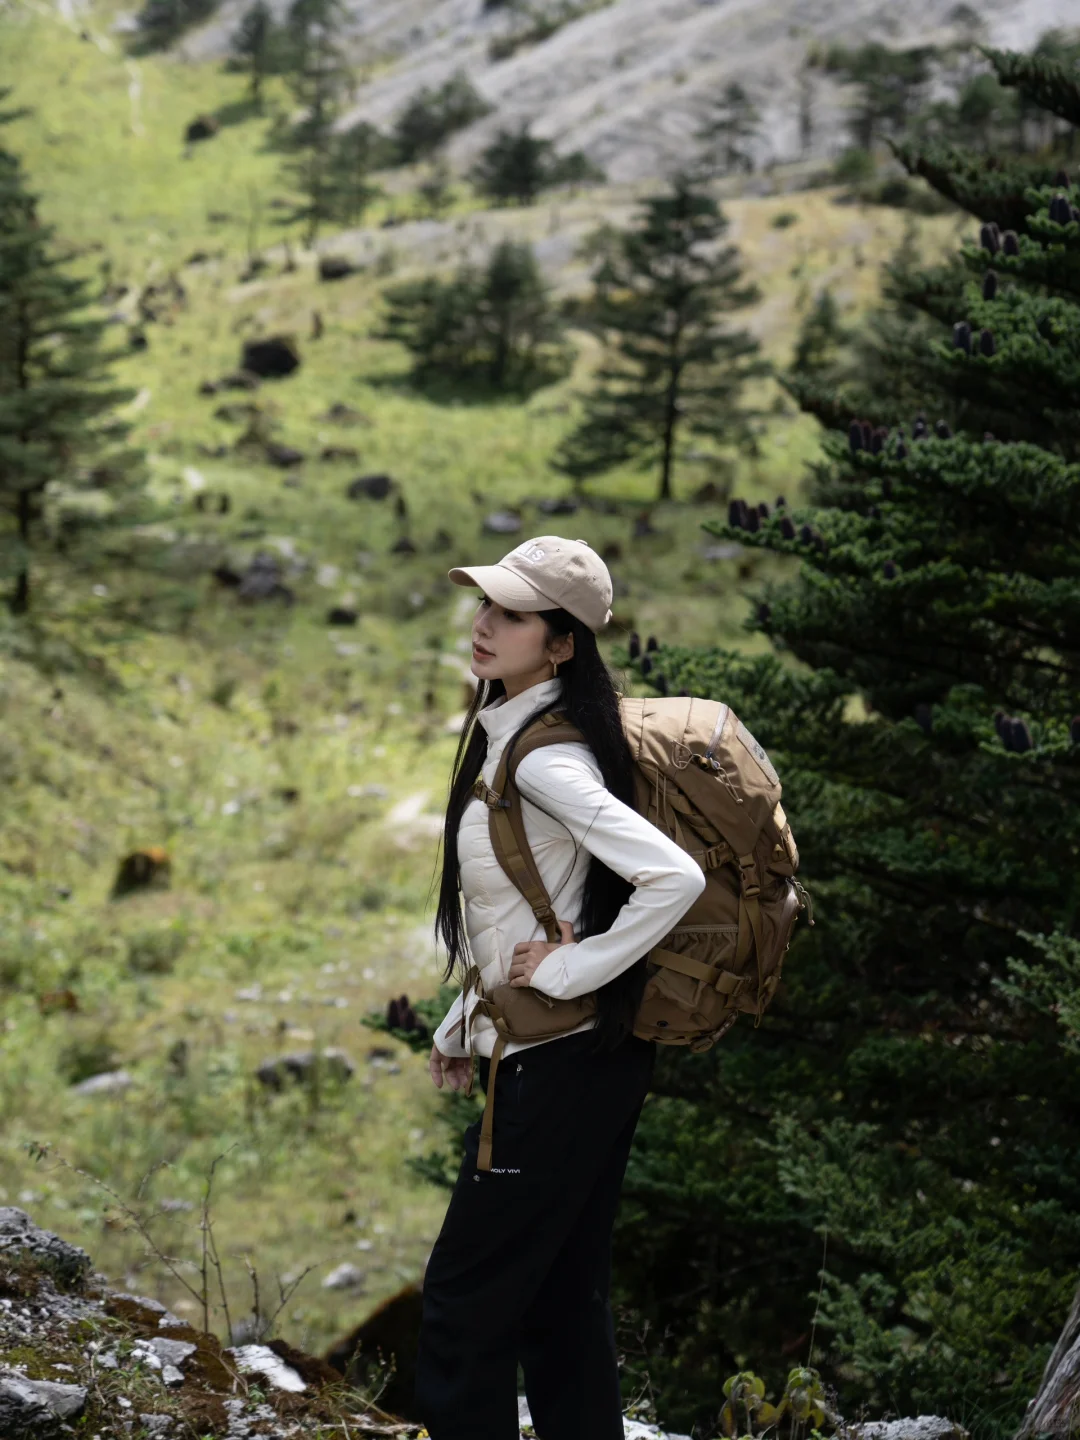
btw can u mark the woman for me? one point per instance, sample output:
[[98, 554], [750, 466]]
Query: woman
[[521, 1268]]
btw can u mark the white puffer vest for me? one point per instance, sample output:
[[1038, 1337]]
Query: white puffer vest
[[569, 817]]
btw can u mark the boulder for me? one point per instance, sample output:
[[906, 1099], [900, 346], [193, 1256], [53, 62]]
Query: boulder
[[272, 357], [19, 1236], [142, 869], [203, 127], [370, 487], [304, 1065], [284, 456], [335, 267], [36, 1408]]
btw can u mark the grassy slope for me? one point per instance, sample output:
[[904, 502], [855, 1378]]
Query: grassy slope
[[319, 900]]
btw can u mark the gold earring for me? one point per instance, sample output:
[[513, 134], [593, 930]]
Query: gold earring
[[554, 668]]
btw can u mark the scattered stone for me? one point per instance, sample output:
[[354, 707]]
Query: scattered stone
[[171, 1376], [203, 127], [239, 380], [273, 357], [345, 1277], [330, 453], [263, 581], [20, 1236], [370, 487], [335, 267], [304, 1066], [502, 522], [171, 1352], [141, 870], [209, 387], [284, 456], [723, 550], [341, 414], [110, 1082], [261, 1360], [156, 1425]]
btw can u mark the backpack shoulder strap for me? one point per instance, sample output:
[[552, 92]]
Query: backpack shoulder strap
[[506, 824]]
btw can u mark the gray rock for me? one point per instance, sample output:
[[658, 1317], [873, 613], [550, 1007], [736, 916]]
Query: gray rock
[[36, 1407], [922, 1427], [19, 1235], [156, 1425], [171, 1352], [345, 1277], [111, 1082], [502, 522], [171, 1375]]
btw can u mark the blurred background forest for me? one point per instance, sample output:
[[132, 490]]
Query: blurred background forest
[[779, 308]]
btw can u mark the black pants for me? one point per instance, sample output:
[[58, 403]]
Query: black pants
[[521, 1269]]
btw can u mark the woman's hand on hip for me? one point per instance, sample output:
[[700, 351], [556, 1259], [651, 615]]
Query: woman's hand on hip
[[528, 954], [455, 1070]]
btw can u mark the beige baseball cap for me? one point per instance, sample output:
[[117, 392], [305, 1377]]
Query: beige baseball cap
[[547, 573]]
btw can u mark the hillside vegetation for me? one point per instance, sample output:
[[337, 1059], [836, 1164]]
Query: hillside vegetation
[[292, 770]]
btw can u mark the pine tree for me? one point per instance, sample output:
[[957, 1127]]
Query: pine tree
[[432, 115], [253, 45], [913, 1093], [497, 324], [661, 300], [517, 165], [727, 133], [319, 76], [58, 428]]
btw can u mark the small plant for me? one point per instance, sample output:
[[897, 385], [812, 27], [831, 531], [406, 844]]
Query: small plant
[[748, 1413]]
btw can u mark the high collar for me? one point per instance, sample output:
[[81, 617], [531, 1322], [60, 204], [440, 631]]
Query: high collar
[[503, 717]]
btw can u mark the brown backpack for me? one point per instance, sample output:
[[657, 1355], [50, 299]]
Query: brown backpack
[[705, 782]]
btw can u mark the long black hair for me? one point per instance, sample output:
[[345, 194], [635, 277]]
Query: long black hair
[[590, 701]]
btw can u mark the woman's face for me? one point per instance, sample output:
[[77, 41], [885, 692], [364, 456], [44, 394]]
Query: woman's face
[[514, 646]]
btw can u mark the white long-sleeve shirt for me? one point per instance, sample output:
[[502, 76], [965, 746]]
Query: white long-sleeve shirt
[[569, 817]]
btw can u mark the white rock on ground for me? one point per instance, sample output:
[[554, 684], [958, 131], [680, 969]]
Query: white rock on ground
[[261, 1360]]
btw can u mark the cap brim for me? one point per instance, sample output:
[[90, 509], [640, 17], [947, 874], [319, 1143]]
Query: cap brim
[[504, 587]]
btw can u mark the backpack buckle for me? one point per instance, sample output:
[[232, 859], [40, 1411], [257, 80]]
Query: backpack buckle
[[751, 880], [491, 798]]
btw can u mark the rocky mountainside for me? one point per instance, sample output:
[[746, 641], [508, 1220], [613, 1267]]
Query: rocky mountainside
[[625, 80]]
